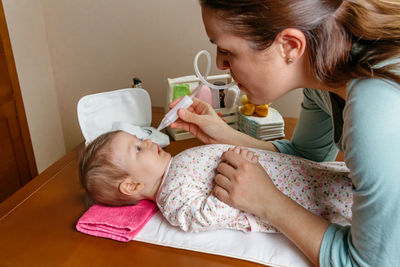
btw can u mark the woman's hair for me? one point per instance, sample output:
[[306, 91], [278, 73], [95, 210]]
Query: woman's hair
[[345, 39], [99, 176]]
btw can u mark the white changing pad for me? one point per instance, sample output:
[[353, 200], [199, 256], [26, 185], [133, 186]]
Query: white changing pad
[[272, 249]]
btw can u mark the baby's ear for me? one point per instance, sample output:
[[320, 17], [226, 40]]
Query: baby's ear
[[130, 187]]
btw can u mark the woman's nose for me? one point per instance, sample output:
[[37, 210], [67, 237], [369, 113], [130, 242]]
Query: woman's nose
[[222, 62]]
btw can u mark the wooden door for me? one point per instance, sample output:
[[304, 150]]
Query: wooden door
[[17, 163]]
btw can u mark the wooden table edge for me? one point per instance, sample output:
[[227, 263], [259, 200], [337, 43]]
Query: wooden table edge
[[23, 194]]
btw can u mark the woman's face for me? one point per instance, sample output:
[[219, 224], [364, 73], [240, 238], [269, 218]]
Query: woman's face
[[261, 74]]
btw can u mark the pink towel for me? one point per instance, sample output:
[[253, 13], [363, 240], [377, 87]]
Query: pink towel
[[118, 223]]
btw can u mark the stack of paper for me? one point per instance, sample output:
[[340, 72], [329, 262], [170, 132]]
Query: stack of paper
[[264, 128]]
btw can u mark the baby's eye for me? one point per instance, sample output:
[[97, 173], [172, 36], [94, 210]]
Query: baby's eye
[[138, 149]]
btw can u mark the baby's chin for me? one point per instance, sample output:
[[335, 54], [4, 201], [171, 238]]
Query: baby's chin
[[163, 153], [164, 156]]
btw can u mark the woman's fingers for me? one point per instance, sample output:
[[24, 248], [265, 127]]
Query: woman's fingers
[[188, 121], [199, 107], [222, 181], [225, 169], [254, 159], [245, 153], [233, 158], [180, 125], [201, 120], [247, 187], [173, 103], [221, 194], [190, 117]]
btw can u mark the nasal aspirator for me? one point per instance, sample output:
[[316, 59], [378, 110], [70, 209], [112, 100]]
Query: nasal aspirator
[[187, 101], [172, 115]]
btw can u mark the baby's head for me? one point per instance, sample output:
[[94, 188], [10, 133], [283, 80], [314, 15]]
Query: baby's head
[[119, 169]]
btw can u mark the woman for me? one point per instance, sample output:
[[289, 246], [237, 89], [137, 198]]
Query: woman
[[348, 52]]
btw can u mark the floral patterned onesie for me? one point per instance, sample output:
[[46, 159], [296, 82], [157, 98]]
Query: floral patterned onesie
[[186, 200]]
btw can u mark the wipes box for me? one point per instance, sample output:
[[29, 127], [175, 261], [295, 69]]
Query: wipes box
[[124, 109]]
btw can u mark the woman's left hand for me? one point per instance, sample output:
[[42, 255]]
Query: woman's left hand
[[243, 183]]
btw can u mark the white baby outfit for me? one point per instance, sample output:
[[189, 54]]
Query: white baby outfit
[[186, 200]]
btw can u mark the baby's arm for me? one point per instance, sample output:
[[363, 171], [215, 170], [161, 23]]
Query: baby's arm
[[194, 210]]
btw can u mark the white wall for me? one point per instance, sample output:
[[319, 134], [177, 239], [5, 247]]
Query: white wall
[[32, 58], [99, 45]]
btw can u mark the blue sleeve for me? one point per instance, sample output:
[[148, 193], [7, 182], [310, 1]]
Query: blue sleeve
[[313, 136], [371, 147]]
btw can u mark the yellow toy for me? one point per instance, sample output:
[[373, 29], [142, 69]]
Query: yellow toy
[[262, 110], [250, 109]]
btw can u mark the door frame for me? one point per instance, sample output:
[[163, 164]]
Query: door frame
[[12, 70]]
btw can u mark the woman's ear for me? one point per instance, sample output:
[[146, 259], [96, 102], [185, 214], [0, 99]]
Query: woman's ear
[[292, 44], [130, 187]]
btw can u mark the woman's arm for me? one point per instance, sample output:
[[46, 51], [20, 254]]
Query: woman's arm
[[241, 139], [202, 121], [305, 229], [246, 186], [313, 136], [372, 150]]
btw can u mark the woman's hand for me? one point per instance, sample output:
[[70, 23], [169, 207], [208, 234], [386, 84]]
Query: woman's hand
[[242, 182], [201, 120], [245, 153]]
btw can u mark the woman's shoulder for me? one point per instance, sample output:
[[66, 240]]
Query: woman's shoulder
[[372, 125], [373, 102], [374, 90]]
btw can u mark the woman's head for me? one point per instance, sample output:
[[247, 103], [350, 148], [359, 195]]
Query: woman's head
[[343, 39], [264, 74]]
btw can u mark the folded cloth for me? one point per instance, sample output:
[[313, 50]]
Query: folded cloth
[[118, 223]]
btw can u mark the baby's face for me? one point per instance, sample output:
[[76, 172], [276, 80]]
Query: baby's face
[[145, 161]]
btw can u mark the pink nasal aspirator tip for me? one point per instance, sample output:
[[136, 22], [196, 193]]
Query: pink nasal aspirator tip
[[205, 94]]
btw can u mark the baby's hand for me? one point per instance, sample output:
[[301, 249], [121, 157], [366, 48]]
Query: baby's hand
[[245, 153]]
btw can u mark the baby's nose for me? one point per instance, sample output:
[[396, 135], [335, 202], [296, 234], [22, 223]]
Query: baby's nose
[[147, 142]]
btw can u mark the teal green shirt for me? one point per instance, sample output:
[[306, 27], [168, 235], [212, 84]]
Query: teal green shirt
[[367, 129]]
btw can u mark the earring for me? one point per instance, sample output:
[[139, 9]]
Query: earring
[[289, 60]]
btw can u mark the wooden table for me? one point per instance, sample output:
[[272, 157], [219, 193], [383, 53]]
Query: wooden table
[[37, 225]]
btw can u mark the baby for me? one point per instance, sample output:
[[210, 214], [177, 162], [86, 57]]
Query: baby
[[119, 169]]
